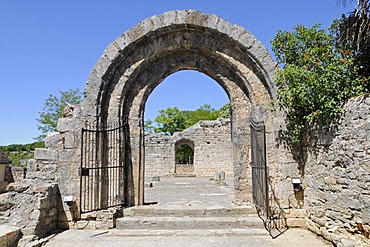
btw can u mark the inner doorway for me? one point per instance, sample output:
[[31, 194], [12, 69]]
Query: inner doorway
[[184, 158]]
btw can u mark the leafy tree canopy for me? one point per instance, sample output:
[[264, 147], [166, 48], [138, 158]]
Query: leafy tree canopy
[[317, 75], [169, 121], [204, 112], [53, 109], [173, 119]]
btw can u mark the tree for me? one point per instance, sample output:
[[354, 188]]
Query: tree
[[20, 153], [53, 110], [225, 111], [204, 112], [354, 33], [355, 28], [184, 154], [317, 76], [169, 121]]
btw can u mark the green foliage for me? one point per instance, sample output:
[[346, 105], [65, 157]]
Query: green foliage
[[317, 76], [184, 154], [205, 112], [19, 152], [171, 120], [53, 109], [225, 111]]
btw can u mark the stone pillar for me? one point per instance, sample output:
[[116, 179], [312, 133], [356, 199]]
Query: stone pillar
[[241, 146]]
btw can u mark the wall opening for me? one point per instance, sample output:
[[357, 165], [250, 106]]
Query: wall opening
[[184, 159], [172, 156]]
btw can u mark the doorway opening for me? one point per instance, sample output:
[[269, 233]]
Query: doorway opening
[[184, 158]]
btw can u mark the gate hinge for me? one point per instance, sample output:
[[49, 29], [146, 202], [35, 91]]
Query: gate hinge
[[83, 171]]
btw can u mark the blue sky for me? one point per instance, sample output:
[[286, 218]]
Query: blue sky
[[51, 46]]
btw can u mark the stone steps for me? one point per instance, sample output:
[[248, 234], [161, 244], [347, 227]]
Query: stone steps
[[188, 232], [181, 211], [186, 220], [189, 222]]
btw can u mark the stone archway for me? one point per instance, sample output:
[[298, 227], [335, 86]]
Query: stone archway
[[135, 63]]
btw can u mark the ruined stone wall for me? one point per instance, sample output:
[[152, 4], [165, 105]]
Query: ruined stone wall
[[337, 175], [159, 156], [334, 165], [34, 206], [212, 150]]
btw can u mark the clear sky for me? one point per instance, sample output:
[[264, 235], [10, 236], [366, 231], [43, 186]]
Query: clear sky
[[51, 46]]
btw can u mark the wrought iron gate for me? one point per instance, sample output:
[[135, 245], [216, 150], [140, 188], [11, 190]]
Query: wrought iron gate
[[259, 168], [268, 207], [102, 171]]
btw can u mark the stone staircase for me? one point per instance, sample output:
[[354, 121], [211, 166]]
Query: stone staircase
[[157, 220]]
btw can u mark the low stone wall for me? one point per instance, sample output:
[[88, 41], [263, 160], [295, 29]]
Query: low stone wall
[[337, 176]]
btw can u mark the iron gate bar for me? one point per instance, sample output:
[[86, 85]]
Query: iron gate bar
[[102, 167], [259, 168]]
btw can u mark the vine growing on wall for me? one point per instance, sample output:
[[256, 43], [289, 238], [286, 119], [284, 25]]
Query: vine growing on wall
[[315, 78]]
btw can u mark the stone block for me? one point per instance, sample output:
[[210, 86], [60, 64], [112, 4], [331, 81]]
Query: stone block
[[18, 173], [312, 227], [69, 140], [45, 154], [296, 213], [66, 124], [88, 216], [53, 140], [18, 187], [319, 221], [295, 222]]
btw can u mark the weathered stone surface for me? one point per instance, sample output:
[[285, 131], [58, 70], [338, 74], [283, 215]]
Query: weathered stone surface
[[295, 222], [67, 124], [210, 141], [46, 154], [9, 235], [18, 187], [339, 187], [53, 140], [32, 206]]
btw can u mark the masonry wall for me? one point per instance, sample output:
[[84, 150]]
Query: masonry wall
[[337, 175], [334, 165], [159, 156], [212, 150]]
